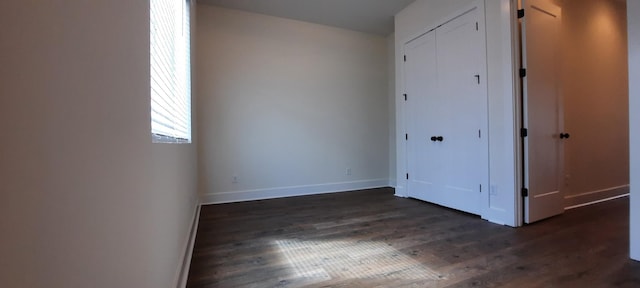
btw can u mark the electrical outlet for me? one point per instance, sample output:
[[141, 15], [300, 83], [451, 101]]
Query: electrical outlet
[[348, 171], [493, 190]]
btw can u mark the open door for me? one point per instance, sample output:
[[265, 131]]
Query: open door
[[542, 110]]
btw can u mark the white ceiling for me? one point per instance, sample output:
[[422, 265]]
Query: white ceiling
[[369, 16]]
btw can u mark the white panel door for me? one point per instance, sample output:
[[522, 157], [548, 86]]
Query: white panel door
[[461, 75], [425, 106], [447, 115], [542, 110]]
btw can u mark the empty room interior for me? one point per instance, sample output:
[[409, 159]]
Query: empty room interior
[[341, 143]]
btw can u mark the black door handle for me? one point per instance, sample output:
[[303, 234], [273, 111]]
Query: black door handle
[[564, 135], [440, 138], [434, 138]]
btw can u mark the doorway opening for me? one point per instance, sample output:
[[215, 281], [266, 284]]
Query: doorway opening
[[585, 132]]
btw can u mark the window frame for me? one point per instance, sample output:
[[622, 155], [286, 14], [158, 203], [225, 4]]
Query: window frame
[[170, 71]]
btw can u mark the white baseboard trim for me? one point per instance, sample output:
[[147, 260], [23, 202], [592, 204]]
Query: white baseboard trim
[[401, 191], [625, 187], [188, 250], [281, 192], [596, 202], [597, 196], [393, 183]]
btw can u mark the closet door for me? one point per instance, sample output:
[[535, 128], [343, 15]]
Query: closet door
[[447, 150], [424, 107], [461, 78]]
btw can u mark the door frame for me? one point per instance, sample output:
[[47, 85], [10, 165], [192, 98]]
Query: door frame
[[516, 32]]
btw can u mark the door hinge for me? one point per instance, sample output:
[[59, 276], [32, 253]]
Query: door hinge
[[480, 188], [520, 13], [523, 72], [406, 136], [478, 78], [524, 132], [405, 58], [525, 192], [407, 176], [405, 97], [479, 133], [477, 28]]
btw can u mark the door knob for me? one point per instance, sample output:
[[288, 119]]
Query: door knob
[[434, 138], [564, 135], [440, 138]]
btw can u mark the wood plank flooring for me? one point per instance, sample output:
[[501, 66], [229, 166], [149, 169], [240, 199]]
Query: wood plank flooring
[[371, 238]]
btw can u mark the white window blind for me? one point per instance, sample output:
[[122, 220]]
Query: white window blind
[[170, 71]]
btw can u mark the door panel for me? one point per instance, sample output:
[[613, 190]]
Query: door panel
[[424, 162], [459, 57], [542, 110]]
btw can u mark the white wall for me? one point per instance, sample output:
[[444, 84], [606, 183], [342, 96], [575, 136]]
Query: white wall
[[287, 106], [422, 15], [633, 31], [391, 75], [595, 91], [86, 199]]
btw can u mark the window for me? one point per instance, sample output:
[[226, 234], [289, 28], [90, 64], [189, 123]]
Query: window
[[170, 71]]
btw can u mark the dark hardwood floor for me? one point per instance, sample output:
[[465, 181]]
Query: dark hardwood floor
[[371, 238]]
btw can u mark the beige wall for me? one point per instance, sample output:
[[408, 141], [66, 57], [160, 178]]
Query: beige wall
[[85, 199], [633, 20], [287, 106], [391, 75], [595, 91]]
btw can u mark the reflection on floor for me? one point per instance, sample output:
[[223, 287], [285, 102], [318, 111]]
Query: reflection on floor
[[351, 260]]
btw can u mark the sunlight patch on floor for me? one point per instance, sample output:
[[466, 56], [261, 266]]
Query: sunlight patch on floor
[[352, 260]]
